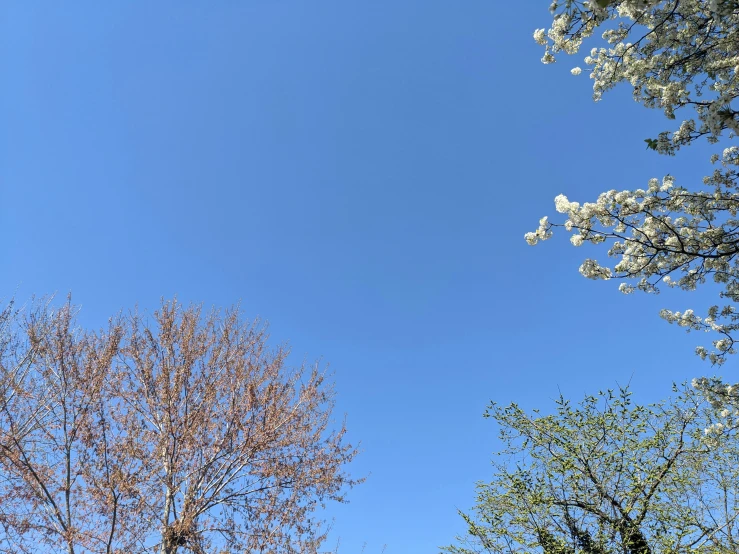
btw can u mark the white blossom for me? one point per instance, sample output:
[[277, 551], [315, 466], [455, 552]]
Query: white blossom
[[662, 50], [682, 58], [562, 205], [592, 270], [665, 235], [626, 288]]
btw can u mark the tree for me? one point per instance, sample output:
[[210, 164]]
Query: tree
[[609, 477], [183, 434], [54, 378], [677, 55]]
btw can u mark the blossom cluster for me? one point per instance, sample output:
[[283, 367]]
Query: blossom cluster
[[724, 401], [666, 236], [674, 54]]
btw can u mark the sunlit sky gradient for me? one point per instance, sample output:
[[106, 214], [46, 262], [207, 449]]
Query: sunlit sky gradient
[[359, 174]]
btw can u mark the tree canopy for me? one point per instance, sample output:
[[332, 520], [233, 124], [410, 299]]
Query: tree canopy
[[679, 56], [184, 432], [675, 54], [609, 476]]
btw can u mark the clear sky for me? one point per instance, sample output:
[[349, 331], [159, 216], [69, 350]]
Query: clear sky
[[359, 174]]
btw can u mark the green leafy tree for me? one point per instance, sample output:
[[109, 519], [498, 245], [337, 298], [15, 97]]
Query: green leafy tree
[[609, 476]]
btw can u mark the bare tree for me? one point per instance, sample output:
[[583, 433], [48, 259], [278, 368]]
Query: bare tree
[[183, 434], [54, 376]]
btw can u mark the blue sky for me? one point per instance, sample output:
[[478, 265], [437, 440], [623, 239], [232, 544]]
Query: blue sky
[[359, 174]]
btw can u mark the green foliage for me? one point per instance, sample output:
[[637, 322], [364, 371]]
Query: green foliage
[[609, 476], [651, 144]]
